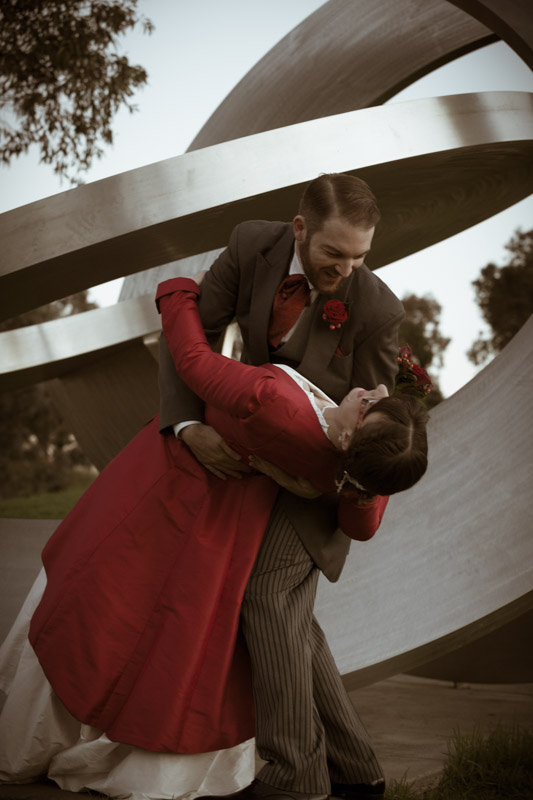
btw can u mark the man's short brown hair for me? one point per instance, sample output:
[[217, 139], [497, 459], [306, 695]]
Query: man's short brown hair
[[338, 195]]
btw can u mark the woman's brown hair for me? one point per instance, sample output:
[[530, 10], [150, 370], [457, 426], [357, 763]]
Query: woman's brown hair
[[390, 455]]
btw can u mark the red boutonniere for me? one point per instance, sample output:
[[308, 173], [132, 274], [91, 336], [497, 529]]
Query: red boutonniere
[[335, 313], [411, 378]]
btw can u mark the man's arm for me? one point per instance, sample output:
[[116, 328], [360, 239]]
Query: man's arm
[[217, 309], [177, 402]]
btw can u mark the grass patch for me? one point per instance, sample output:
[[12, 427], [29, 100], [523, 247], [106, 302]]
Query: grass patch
[[494, 766], [47, 505], [401, 790]]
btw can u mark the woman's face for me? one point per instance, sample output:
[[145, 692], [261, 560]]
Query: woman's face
[[354, 406]]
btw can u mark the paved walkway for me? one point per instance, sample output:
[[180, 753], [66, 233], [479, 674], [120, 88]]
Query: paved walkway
[[410, 720]]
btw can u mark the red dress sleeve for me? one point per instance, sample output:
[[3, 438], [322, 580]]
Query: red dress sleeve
[[233, 387], [360, 522]]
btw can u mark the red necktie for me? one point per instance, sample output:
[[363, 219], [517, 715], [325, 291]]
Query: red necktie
[[290, 300]]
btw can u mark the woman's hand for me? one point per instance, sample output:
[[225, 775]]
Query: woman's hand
[[299, 486]]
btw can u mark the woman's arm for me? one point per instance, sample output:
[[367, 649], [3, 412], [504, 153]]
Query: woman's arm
[[360, 521], [231, 386], [356, 521]]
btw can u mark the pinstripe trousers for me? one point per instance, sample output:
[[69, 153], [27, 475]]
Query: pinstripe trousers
[[307, 730]]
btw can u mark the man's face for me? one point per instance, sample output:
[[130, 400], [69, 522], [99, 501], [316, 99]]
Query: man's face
[[331, 254]]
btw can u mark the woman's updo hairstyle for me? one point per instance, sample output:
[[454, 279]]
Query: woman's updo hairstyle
[[390, 455]]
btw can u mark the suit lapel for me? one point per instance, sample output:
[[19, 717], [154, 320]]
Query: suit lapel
[[270, 270], [323, 341]]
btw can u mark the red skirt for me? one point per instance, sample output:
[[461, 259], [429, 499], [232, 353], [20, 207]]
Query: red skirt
[[138, 629]]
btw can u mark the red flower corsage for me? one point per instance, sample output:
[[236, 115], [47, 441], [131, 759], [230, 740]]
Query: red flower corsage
[[411, 378], [335, 313]]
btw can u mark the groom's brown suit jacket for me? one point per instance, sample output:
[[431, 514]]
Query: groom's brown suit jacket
[[242, 283]]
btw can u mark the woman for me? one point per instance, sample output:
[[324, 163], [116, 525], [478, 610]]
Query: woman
[[137, 631]]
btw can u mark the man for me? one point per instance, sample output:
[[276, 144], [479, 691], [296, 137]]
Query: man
[[306, 728]]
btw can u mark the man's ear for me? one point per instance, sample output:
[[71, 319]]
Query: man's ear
[[299, 228]]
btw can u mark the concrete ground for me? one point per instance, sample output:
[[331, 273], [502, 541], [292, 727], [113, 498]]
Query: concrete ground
[[410, 720]]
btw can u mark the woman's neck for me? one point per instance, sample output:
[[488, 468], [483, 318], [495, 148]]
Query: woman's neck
[[331, 415]]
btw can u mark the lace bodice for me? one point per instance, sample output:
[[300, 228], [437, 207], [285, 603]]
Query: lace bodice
[[318, 399]]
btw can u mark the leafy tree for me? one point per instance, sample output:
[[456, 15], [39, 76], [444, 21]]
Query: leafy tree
[[62, 79], [37, 451], [420, 331], [505, 297]]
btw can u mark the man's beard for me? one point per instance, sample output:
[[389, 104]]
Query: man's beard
[[313, 275]]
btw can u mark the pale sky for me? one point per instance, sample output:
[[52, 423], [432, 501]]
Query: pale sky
[[195, 56]]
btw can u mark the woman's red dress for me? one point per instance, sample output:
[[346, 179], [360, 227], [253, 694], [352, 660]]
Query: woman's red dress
[[138, 628]]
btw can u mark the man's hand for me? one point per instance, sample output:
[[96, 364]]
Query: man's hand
[[300, 486], [210, 449]]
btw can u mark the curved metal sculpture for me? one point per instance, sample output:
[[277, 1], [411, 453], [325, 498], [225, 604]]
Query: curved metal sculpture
[[52, 349], [437, 166], [453, 558], [462, 159], [343, 57], [512, 21]]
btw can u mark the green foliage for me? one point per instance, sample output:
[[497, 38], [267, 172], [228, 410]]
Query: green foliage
[[496, 766], [62, 77], [46, 504], [37, 451], [491, 767], [401, 790], [505, 297], [420, 331]]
